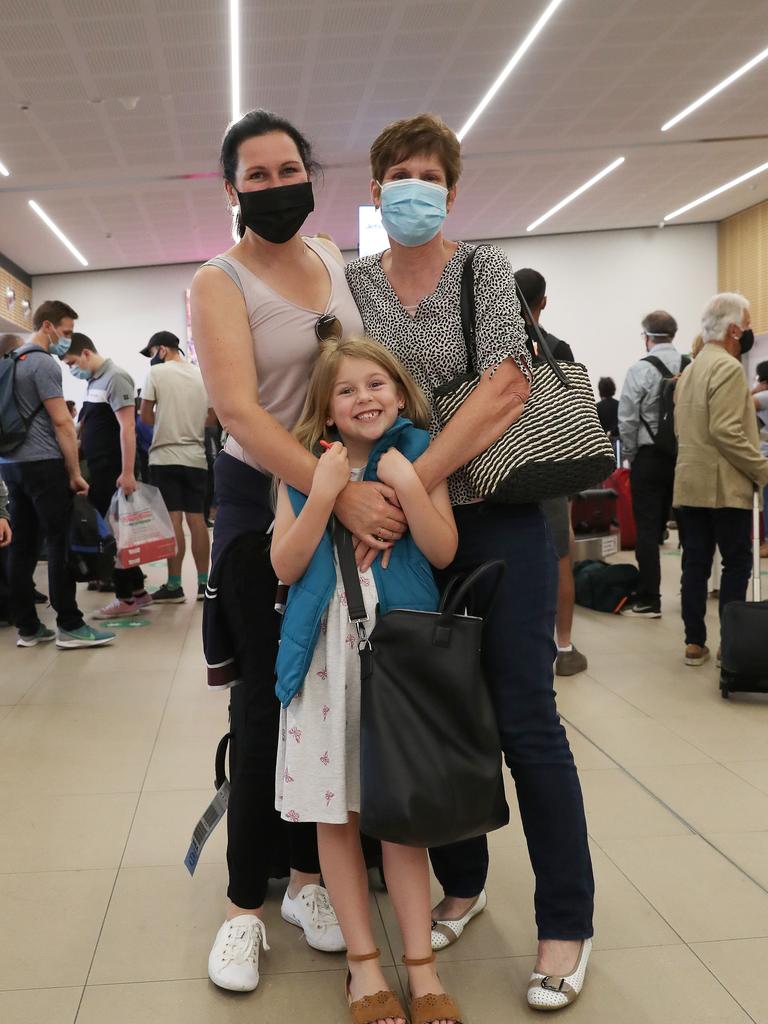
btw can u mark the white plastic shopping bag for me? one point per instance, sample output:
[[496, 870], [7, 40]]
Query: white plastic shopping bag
[[142, 527]]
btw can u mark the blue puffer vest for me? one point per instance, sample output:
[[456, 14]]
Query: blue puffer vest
[[406, 583]]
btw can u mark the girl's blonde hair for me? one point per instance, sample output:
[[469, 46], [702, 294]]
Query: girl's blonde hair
[[312, 427]]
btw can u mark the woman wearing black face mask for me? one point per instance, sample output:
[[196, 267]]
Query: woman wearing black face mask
[[258, 312]]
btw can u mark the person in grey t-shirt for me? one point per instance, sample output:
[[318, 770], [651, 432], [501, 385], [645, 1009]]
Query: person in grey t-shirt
[[42, 474]]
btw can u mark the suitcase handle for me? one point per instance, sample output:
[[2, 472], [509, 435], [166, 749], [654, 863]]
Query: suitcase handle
[[757, 589]]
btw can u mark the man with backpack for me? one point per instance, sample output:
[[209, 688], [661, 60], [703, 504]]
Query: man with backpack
[[719, 467], [39, 463], [646, 427]]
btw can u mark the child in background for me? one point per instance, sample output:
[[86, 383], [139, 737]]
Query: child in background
[[361, 399]]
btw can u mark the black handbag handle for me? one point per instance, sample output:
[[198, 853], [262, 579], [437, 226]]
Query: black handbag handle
[[467, 306], [459, 588]]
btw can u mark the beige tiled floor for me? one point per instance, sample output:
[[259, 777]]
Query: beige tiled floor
[[106, 763]]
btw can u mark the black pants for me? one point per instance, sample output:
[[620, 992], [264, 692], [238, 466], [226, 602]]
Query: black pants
[[652, 482], [104, 473], [518, 659], [260, 844], [700, 530], [40, 504]]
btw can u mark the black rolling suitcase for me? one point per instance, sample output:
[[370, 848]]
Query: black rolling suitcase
[[744, 651]]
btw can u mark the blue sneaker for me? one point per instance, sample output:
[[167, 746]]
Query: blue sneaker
[[86, 636], [42, 636]]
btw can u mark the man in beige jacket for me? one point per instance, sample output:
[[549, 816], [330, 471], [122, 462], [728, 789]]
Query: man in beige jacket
[[718, 466]]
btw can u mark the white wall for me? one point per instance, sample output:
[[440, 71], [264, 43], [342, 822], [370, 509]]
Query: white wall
[[600, 285], [120, 310]]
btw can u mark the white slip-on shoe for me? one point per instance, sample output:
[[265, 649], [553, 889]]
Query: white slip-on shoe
[[546, 992], [233, 962], [311, 911], [445, 933]]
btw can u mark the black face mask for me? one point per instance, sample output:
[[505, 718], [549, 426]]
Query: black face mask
[[276, 214], [747, 340], [156, 360]]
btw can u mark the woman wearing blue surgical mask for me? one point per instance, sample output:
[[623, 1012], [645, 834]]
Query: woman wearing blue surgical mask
[[408, 297]]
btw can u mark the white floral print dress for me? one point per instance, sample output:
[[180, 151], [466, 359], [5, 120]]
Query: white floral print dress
[[318, 756]]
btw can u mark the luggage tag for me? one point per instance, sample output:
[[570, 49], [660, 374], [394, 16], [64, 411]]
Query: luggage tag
[[215, 810], [212, 815]]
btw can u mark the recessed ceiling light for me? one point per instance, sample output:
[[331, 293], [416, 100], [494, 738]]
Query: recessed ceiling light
[[579, 191], [58, 232], [715, 90], [234, 56], [4, 171], [515, 59], [718, 191]]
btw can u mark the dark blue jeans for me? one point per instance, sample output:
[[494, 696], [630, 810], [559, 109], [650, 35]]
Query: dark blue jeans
[[519, 652], [700, 530]]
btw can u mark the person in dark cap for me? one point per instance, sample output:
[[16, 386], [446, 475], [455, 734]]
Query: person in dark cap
[[160, 340], [174, 401]]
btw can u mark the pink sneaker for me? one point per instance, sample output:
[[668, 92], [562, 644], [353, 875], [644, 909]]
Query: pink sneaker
[[144, 601], [117, 609]]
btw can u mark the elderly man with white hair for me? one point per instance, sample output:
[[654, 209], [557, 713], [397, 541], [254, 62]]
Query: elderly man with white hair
[[719, 466]]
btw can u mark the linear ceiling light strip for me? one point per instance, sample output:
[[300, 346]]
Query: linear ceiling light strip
[[579, 191], [58, 232], [718, 191], [517, 56], [4, 171], [234, 56], [714, 91]]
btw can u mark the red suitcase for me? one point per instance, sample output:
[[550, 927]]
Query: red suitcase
[[618, 481], [593, 511]]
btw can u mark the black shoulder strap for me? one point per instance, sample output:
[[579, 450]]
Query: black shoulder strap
[[467, 304], [662, 367], [350, 576]]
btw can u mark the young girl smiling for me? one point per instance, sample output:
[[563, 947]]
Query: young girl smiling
[[367, 412]]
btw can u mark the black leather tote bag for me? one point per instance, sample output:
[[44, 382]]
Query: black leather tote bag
[[430, 755]]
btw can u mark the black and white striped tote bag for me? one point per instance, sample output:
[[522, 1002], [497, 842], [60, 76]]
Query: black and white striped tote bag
[[557, 446]]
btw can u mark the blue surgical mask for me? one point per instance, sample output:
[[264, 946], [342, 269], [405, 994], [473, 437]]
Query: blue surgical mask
[[80, 374], [413, 211], [60, 347]]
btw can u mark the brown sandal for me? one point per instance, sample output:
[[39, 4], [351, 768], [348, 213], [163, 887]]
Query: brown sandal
[[379, 1006], [429, 1008]]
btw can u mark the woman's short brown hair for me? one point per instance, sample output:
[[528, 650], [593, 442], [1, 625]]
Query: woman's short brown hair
[[424, 133]]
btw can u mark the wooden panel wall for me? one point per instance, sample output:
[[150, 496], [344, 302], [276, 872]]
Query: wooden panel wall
[[742, 263], [15, 312]]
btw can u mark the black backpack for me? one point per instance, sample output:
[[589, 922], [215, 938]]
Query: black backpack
[[13, 426], [604, 587], [664, 439], [91, 548]]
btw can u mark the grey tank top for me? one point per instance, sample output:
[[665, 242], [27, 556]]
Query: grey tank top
[[284, 342]]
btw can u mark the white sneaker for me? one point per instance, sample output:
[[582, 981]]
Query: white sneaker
[[311, 910], [233, 962]]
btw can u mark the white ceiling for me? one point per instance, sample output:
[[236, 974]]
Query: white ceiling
[[599, 81]]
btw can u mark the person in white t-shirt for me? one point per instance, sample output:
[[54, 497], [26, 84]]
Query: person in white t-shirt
[[174, 401]]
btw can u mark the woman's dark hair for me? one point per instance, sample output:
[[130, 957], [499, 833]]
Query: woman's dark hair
[[251, 125], [606, 387], [762, 371]]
